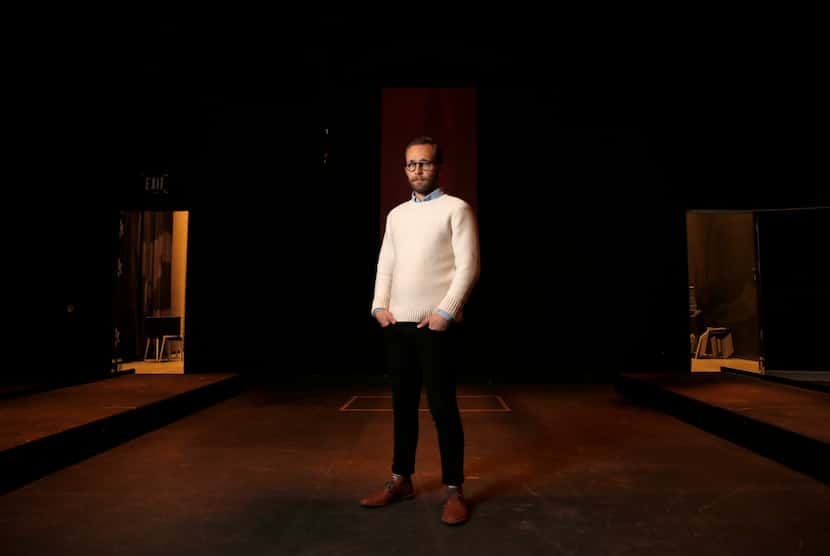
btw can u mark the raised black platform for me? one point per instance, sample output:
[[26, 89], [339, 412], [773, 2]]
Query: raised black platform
[[785, 422], [48, 430], [805, 379], [11, 388]]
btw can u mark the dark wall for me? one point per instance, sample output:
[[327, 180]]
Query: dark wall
[[283, 250], [585, 174], [580, 244], [580, 247], [587, 163], [58, 235], [278, 271], [58, 292], [795, 288]]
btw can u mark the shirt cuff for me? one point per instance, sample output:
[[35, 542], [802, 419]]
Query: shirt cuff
[[444, 314], [376, 309]]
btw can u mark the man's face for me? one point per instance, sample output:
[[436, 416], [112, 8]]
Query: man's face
[[421, 169]]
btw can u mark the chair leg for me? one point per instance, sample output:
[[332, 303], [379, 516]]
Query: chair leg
[[701, 343], [146, 348]]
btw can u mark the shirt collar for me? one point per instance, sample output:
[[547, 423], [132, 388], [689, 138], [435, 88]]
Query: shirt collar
[[433, 195]]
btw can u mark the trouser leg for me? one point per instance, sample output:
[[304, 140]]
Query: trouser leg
[[406, 394], [436, 355]]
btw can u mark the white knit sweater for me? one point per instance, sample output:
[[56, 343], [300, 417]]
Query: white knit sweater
[[429, 259]]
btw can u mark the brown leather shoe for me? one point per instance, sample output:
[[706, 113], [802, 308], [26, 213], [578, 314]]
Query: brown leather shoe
[[456, 511], [394, 490]]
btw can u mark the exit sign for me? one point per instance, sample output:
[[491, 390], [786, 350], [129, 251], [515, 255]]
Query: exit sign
[[157, 185]]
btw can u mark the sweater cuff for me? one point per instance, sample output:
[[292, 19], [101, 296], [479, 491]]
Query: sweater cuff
[[450, 305]]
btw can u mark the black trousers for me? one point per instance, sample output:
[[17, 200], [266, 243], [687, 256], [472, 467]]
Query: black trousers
[[417, 356]]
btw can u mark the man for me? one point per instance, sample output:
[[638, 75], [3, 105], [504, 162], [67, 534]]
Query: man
[[428, 264]]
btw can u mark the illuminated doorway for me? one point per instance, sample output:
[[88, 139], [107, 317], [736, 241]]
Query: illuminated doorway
[[149, 292], [724, 317]]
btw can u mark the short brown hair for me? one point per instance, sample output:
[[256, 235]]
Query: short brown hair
[[427, 140]]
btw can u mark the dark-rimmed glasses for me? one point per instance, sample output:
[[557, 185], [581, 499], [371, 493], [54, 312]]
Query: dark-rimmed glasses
[[425, 165]]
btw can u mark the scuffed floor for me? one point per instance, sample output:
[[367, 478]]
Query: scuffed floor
[[570, 470]]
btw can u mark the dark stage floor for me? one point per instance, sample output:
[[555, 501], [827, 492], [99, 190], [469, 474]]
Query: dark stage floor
[[279, 470]]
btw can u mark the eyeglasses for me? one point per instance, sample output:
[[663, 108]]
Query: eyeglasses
[[425, 165]]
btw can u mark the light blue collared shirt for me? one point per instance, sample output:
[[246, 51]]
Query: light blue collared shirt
[[434, 194]]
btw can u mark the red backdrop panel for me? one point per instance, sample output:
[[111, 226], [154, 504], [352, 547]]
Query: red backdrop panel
[[448, 115]]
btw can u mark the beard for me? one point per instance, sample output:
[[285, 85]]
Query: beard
[[423, 185]]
